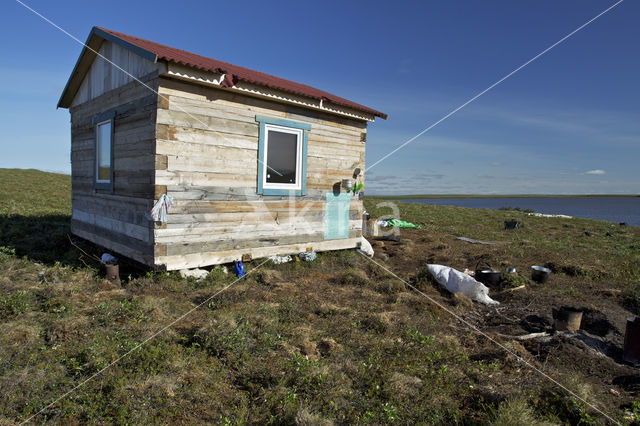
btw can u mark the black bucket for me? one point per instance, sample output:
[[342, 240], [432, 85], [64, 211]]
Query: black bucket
[[540, 274], [488, 276]]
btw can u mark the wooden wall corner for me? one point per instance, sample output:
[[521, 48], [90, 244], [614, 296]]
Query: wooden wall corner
[[162, 162], [163, 102], [159, 190], [162, 131], [159, 250]]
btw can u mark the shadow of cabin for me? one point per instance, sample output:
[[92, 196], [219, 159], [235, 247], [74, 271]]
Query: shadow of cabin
[[41, 238]]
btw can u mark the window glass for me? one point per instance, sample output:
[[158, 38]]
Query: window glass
[[282, 157], [103, 159]]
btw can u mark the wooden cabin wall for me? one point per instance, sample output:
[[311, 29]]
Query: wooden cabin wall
[[116, 220], [106, 73], [207, 144]]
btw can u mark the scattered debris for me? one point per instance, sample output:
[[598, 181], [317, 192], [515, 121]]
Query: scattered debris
[[561, 216], [239, 269], [472, 241], [108, 259], [197, 273], [280, 259], [511, 224], [458, 282], [308, 256], [526, 336], [397, 223], [365, 247], [520, 287]]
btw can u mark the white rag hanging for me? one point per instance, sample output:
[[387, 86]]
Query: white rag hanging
[[160, 209]]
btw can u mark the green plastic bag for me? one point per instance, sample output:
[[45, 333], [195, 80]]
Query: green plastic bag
[[402, 224]]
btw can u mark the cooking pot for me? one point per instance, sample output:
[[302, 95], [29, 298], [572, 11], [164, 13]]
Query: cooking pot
[[487, 276]]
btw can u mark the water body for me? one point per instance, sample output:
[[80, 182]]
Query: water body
[[612, 209]]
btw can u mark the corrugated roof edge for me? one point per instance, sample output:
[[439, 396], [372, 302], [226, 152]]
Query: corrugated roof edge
[[156, 51]]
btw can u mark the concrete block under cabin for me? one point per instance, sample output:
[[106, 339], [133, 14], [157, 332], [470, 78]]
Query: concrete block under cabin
[[252, 161]]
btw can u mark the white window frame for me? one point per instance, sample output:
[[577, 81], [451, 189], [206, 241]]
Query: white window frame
[[110, 142], [299, 133]]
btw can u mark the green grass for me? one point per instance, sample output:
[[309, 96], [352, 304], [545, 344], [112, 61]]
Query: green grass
[[334, 340], [559, 243]]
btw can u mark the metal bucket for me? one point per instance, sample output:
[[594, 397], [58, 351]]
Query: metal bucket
[[567, 319], [631, 351], [113, 273]]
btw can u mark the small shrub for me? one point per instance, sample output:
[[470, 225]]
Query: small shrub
[[355, 277], [17, 303], [515, 412]]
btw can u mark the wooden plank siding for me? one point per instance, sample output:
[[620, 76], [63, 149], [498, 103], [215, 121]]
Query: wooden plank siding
[[113, 67], [116, 220], [207, 144]]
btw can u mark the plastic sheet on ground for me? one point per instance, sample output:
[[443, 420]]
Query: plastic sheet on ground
[[458, 282]]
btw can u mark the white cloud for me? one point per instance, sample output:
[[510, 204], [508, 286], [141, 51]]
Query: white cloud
[[596, 172], [496, 164]]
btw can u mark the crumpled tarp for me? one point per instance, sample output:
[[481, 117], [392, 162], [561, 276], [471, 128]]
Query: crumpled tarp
[[458, 282]]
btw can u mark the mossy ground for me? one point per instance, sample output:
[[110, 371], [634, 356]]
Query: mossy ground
[[334, 340]]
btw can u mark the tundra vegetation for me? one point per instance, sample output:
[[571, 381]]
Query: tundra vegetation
[[336, 340]]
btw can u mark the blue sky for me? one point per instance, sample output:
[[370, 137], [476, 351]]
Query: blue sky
[[569, 123]]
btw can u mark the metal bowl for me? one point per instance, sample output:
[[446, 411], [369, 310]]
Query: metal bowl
[[540, 274]]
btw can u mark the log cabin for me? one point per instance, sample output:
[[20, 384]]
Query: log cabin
[[253, 163]]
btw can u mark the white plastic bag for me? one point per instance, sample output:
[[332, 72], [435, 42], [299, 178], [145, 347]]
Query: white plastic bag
[[365, 247], [458, 282], [280, 259], [198, 274]]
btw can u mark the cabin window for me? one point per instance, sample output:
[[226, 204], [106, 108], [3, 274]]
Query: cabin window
[[104, 151], [282, 162]]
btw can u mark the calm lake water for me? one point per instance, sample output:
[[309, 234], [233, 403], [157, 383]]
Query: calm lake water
[[614, 209]]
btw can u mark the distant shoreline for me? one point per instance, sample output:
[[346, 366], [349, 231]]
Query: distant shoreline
[[449, 196]]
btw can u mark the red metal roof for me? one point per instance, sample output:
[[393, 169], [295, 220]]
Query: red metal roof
[[236, 73]]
